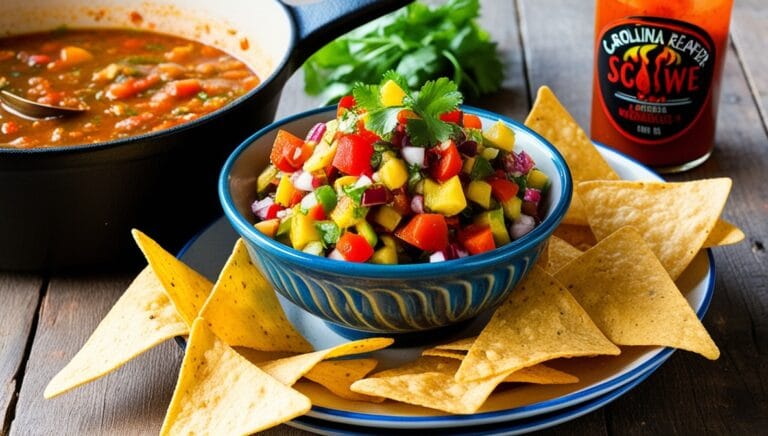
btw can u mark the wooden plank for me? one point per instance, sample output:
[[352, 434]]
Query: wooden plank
[[749, 31], [20, 295], [131, 400]]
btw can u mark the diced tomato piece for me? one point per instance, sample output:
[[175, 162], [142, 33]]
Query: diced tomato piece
[[503, 189], [289, 152], [133, 43], [272, 211], [406, 114], [366, 134], [453, 116], [477, 239], [38, 59], [345, 103], [131, 87], [295, 198], [471, 121], [427, 231], [449, 163], [354, 248], [353, 155], [9, 127], [184, 88], [317, 212]]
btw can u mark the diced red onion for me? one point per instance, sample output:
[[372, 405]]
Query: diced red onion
[[335, 255], [260, 207], [518, 164], [468, 148], [413, 155], [532, 194], [375, 195], [417, 203], [437, 256], [522, 226], [302, 180], [316, 133]]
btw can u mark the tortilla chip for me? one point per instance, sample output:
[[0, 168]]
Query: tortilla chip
[[243, 309], [458, 345], [220, 392], [539, 321], [550, 119], [673, 218], [631, 298], [186, 288], [559, 253], [580, 237], [724, 233], [142, 318], [289, 369], [430, 382], [536, 374], [338, 375]]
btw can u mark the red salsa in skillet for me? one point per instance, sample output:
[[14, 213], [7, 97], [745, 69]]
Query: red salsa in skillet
[[131, 82]]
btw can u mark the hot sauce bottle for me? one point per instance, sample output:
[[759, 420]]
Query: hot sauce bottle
[[656, 81]]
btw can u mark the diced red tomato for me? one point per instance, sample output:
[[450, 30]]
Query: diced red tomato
[[38, 59], [471, 121], [353, 155], [295, 198], [184, 88], [503, 189], [367, 134], [354, 248], [317, 212], [272, 211], [477, 239], [453, 116], [345, 103], [131, 87], [9, 127], [449, 162], [406, 114], [289, 152], [427, 231], [401, 202]]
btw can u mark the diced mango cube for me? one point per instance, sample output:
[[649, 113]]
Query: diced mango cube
[[343, 181], [387, 217], [386, 255], [365, 229], [495, 220], [303, 231], [266, 178], [512, 208], [392, 94], [537, 179], [268, 227], [321, 157], [393, 174], [285, 191], [446, 198], [479, 192], [500, 135], [469, 163], [347, 213]]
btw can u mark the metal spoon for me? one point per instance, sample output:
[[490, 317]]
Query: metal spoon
[[32, 109]]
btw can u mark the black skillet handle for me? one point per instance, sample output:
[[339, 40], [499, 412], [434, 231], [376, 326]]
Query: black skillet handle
[[319, 23]]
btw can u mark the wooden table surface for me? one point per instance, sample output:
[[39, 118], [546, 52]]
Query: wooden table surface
[[45, 319]]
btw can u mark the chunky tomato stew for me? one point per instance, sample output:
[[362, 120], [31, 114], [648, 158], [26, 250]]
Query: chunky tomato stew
[[130, 82]]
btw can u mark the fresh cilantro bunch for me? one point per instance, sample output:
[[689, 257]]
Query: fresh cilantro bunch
[[435, 97], [419, 42]]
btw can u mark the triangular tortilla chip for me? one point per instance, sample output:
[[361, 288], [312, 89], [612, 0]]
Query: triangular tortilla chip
[[430, 382], [559, 253], [338, 375], [631, 298], [187, 288], [221, 392], [142, 318], [458, 345], [550, 119], [724, 233], [243, 309], [673, 218], [289, 369], [580, 237], [539, 321]]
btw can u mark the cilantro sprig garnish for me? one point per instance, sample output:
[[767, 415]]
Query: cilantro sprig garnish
[[435, 97]]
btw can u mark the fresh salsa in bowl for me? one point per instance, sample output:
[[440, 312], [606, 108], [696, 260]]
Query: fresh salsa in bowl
[[399, 177]]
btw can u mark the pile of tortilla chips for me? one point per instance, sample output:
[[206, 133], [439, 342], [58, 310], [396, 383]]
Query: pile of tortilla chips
[[606, 280]]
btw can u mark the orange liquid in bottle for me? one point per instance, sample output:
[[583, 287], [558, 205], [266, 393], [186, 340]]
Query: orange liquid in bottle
[[656, 83]]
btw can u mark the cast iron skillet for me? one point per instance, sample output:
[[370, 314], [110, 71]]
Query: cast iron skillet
[[72, 208]]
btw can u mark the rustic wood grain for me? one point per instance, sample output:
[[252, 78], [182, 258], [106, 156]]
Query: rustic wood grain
[[749, 32], [20, 297], [131, 400]]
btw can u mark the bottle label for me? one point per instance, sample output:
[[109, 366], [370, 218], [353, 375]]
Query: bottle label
[[654, 76]]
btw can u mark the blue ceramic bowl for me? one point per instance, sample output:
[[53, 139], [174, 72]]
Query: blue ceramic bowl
[[388, 298]]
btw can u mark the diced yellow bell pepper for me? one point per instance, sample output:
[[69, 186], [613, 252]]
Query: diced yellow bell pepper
[[321, 157], [285, 191], [392, 94], [500, 135], [268, 227], [389, 241], [479, 192], [512, 208], [393, 174], [469, 163], [446, 198], [387, 217], [343, 181], [303, 230], [347, 213], [386, 255], [537, 179]]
